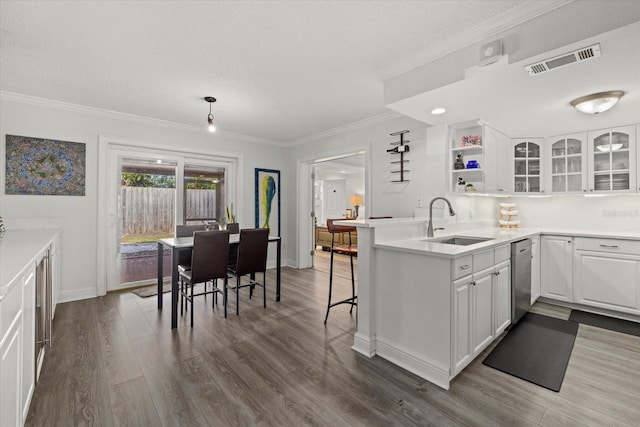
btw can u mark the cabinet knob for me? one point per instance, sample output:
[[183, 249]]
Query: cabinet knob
[[472, 283]]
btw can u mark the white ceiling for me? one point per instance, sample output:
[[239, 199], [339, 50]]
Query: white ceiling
[[341, 166], [281, 70], [507, 97]]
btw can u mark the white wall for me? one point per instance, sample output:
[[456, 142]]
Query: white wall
[[43, 119], [606, 213]]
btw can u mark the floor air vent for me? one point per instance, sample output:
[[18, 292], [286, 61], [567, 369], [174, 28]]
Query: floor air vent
[[562, 60]]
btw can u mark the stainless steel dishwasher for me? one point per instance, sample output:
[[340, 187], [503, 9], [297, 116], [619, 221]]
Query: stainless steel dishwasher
[[520, 279]]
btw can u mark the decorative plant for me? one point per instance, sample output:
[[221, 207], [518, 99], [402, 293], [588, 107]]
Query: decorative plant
[[231, 217]]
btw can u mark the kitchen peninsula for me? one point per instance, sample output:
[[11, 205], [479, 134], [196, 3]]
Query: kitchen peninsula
[[431, 307]]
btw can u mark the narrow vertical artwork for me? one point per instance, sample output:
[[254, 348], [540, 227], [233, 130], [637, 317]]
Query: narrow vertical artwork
[[267, 196]]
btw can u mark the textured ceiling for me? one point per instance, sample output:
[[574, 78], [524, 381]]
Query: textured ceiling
[[281, 70]]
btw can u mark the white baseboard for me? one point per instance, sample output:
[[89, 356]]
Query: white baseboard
[[411, 363], [77, 295], [363, 345]]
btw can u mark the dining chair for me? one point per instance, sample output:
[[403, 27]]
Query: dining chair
[[251, 259], [184, 257], [208, 263], [350, 250]]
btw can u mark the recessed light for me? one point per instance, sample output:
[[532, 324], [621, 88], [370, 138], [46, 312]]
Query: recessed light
[[438, 110], [158, 161]]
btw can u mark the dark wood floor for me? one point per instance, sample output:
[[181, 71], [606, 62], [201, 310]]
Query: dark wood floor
[[115, 361]]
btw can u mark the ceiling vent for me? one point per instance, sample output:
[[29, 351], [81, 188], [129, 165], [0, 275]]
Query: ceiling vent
[[562, 60]]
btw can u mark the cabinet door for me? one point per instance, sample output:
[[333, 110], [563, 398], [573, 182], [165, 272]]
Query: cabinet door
[[637, 167], [566, 159], [10, 369], [482, 314], [608, 280], [612, 160], [496, 149], [556, 279], [535, 269], [526, 164], [28, 341], [461, 321], [502, 292]]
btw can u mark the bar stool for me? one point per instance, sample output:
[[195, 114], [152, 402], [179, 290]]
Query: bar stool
[[351, 251]]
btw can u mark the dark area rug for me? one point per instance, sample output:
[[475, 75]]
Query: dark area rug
[[537, 349], [151, 290], [606, 322]]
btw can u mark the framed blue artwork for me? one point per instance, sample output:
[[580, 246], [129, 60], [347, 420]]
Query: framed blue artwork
[[45, 167], [268, 200]]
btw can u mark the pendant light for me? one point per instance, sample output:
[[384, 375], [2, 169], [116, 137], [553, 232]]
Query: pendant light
[[597, 102], [212, 126]]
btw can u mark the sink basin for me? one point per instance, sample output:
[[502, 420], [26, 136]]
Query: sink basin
[[459, 240]]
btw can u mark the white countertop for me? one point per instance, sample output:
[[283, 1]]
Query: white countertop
[[426, 245], [499, 236], [18, 249]]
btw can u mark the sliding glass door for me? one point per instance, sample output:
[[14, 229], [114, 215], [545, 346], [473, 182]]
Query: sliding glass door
[[146, 193], [147, 213]]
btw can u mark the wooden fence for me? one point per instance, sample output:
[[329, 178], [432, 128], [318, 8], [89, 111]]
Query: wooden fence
[[147, 210]]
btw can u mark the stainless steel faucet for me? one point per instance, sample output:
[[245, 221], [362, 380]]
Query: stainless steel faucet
[[451, 213]]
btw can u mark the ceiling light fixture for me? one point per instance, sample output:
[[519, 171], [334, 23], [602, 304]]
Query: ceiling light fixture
[[597, 102], [438, 110], [210, 100]]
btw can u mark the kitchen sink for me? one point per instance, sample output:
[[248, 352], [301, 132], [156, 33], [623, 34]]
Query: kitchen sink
[[459, 240]]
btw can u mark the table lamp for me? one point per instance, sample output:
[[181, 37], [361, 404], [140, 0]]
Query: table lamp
[[356, 201]]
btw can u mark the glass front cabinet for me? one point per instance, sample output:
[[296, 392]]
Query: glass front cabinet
[[566, 160], [612, 160], [526, 164]]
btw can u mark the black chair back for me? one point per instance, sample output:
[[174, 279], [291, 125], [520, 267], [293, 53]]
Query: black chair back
[[184, 257], [188, 230], [332, 228], [210, 255], [252, 251]]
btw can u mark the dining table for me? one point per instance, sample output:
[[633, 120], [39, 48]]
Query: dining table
[[178, 244]]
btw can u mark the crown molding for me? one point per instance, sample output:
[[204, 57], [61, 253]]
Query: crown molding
[[492, 27], [83, 109], [349, 127]]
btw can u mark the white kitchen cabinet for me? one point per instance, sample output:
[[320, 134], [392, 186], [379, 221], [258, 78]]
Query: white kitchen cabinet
[[460, 133], [462, 323], [638, 158], [527, 165], [612, 160], [28, 341], [502, 296], [608, 274], [566, 160], [535, 269], [556, 279], [489, 177], [481, 306], [11, 355], [497, 177]]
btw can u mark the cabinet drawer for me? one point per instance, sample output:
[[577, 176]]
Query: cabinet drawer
[[462, 266], [482, 260], [503, 253], [608, 245]]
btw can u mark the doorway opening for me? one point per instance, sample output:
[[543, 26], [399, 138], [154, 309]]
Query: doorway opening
[[335, 183]]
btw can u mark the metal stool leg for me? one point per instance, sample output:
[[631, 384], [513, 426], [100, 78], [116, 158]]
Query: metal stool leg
[[353, 284], [330, 279]]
